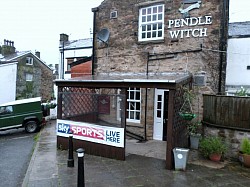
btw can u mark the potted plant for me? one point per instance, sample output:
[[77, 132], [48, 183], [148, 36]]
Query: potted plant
[[245, 152], [194, 132], [212, 147]]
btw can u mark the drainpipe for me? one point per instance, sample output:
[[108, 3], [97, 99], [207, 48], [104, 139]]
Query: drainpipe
[[61, 73], [146, 102], [94, 10], [223, 42]]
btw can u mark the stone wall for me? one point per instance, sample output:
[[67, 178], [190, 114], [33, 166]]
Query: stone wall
[[40, 86], [232, 137], [28, 89], [46, 87], [124, 53]]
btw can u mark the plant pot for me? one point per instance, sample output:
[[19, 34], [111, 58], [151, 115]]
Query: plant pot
[[194, 141], [215, 157], [246, 160]]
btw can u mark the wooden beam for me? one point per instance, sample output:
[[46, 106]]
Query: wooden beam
[[170, 144]]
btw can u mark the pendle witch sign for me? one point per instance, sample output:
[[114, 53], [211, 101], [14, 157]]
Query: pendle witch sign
[[190, 22], [93, 133]]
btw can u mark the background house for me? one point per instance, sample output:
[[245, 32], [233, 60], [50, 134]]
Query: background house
[[33, 77], [72, 51], [81, 67], [238, 51]]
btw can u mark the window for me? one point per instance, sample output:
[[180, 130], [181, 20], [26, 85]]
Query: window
[[113, 14], [29, 77], [6, 110], [29, 61], [133, 105], [151, 23]]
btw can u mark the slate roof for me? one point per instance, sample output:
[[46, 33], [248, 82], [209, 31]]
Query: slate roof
[[81, 61], [77, 44], [13, 56], [239, 29], [18, 54]]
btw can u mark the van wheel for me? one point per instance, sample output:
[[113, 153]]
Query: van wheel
[[31, 127]]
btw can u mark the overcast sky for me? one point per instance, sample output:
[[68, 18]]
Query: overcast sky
[[36, 24]]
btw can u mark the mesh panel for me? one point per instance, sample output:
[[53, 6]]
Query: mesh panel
[[179, 126], [98, 106]]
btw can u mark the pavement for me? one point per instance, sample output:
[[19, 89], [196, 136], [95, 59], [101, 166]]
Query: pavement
[[144, 166]]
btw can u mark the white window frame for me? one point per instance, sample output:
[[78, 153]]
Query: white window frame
[[29, 61], [151, 23], [133, 104], [113, 14], [29, 77]]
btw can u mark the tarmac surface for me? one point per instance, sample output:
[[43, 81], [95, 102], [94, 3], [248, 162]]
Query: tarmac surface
[[144, 166]]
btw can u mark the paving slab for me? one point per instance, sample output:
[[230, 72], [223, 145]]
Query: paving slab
[[48, 167]]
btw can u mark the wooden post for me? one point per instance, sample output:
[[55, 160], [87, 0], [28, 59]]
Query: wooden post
[[170, 143]]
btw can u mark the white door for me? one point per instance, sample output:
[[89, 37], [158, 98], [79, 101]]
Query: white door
[[158, 114]]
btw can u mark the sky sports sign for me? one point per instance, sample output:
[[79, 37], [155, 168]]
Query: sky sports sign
[[93, 133]]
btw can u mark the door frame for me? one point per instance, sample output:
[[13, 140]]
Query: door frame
[[161, 135]]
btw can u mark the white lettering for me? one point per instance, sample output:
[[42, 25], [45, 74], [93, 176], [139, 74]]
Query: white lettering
[[200, 21], [193, 33], [203, 32], [188, 33], [174, 34], [208, 20], [193, 21], [177, 23], [185, 22], [170, 22], [182, 33]]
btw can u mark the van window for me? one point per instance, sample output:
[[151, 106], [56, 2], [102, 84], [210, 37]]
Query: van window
[[6, 110]]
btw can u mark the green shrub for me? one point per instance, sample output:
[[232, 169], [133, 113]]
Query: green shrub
[[245, 146], [212, 144]]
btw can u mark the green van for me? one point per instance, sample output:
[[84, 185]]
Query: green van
[[26, 113]]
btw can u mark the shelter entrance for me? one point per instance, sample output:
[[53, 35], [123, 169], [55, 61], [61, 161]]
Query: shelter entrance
[[88, 106], [160, 114]]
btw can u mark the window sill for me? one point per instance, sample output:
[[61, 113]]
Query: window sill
[[151, 42]]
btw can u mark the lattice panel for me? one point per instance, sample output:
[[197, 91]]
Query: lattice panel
[[76, 101], [180, 127], [97, 106]]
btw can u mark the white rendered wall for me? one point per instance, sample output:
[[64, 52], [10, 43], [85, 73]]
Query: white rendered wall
[[239, 10], [238, 58], [73, 53], [8, 82]]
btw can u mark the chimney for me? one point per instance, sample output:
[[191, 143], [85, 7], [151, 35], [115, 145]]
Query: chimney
[[63, 38], [37, 53], [8, 47]]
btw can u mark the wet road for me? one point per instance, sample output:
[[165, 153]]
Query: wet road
[[15, 153]]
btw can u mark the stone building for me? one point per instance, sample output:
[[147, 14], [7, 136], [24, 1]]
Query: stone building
[[159, 36], [33, 77]]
